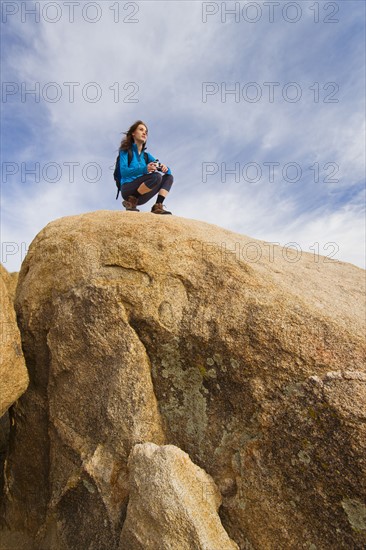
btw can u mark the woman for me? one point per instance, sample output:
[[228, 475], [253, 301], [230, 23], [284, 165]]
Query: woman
[[140, 178]]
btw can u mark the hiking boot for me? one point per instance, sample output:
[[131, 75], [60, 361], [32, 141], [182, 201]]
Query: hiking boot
[[130, 203], [158, 208]]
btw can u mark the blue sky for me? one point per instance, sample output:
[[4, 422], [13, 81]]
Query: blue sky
[[298, 153]]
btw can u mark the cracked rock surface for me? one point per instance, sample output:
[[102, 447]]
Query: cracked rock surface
[[249, 357], [172, 504], [13, 372]]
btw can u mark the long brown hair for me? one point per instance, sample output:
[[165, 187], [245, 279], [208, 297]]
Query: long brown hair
[[127, 141]]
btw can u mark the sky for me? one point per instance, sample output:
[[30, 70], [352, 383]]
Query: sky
[[258, 108]]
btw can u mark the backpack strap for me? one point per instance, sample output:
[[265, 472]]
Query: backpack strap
[[117, 175], [129, 153]]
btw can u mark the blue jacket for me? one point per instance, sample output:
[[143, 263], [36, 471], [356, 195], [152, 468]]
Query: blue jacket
[[138, 166]]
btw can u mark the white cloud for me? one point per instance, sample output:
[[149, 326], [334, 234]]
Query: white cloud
[[169, 54]]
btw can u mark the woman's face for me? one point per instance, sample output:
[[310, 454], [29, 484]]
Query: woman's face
[[140, 134]]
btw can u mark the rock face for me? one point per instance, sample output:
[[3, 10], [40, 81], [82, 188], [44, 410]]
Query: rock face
[[139, 328], [13, 372], [172, 504]]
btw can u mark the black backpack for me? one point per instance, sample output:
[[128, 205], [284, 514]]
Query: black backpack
[[117, 171]]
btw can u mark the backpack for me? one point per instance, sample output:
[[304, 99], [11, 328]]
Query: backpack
[[117, 171]]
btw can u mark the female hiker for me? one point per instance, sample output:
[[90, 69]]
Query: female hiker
[[142, 176]]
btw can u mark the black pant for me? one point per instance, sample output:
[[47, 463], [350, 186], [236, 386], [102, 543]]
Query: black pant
[[154, 181]]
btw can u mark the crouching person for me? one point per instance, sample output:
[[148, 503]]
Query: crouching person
[[141, 175]]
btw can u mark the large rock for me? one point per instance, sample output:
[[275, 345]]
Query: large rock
[[248, 356], [10, 280], [172, 504], [13, 372]]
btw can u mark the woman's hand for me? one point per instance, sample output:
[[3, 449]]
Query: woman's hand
[[151, 167], [164, 168]]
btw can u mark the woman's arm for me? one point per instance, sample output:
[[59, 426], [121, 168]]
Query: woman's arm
[[153, 159]]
